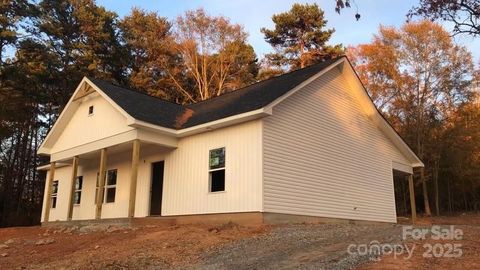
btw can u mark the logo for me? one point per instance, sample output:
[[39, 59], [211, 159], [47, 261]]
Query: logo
[[410, 238]]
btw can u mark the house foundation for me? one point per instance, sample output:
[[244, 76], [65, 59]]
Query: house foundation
[[244, 219]]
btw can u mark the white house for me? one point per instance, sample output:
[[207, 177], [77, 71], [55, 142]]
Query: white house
[[306, 143]]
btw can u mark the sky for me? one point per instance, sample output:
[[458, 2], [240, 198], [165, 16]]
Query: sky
[[255, 14]]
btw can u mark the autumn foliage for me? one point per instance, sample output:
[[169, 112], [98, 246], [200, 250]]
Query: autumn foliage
[[423, 83]]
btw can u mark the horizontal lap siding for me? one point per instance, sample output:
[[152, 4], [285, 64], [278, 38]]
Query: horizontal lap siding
[[324, 157]]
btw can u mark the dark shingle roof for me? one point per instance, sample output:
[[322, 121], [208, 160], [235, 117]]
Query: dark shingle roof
[[170, 115], [142, 106]]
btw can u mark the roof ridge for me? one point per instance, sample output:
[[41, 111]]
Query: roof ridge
[[134, 90], [212, 98], [266, 80]]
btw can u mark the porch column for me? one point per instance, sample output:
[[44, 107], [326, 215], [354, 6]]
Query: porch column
[[133, 177], [412, 198], [48, 203], [72, 189], [101, 182]]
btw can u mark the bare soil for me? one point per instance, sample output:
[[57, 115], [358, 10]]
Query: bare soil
[[303, 246], [470, 247], [115, 248]]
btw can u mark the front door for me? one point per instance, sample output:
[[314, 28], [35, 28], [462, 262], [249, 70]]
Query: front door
[[156, 188]]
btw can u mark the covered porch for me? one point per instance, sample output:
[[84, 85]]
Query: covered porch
[[120, 166]]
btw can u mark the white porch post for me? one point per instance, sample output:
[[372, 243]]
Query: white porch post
[[101, 182], [133, 177], [48, 203]]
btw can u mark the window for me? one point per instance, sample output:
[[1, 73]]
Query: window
[[78, 190], [217, 170], [90, 110], [110, 186], [54, 194]]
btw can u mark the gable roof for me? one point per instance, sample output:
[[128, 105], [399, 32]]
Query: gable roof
[[250, 102], [170, 115]]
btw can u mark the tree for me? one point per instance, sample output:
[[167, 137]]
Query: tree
[[84, 38], [55, 43], [150, 44], [215, 56], [417, 77], [461, 159], [464, 14], [342, 4], [300, 38], [12, 12]]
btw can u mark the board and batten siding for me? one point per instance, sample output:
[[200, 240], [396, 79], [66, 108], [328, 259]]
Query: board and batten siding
[[88, 168], [324, 157], [83, 128], [186, 174], [186, 178]]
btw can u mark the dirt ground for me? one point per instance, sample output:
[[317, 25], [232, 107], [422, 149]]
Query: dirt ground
[[114, 247], [302, 246], [469, 246]]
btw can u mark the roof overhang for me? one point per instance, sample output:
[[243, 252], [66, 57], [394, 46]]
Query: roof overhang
[[224, 122], [46, 167]]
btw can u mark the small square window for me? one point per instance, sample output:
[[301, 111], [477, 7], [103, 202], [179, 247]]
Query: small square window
[[217, 181], [217, 158], [110, 195], [90, 110], [112, 178]]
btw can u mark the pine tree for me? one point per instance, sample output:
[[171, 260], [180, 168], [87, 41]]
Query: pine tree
[[300, 38]]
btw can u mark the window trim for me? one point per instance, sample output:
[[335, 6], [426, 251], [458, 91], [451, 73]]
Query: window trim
[[224, 168], [106, 186], [54, 194], [78, 190], [93, 110]]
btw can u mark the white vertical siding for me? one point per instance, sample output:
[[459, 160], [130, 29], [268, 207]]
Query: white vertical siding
[[88, 169], [185, 177], [63, 175], [83, 128], [186, 172], [324, 157]]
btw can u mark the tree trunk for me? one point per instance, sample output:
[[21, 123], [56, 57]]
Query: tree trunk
[[435, 182], [464, 193], [449, 196], [302, 60], [428, 212]]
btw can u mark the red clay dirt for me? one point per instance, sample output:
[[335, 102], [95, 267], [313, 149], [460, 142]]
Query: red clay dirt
[[169, 246], [183, 246], [470, 246]]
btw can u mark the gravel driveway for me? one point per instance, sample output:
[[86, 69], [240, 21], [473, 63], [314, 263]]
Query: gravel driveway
[[318, 246]]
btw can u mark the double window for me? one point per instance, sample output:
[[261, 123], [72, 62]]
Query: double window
[[217, 170], [110, 186], [54, 194], [78, 190]]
